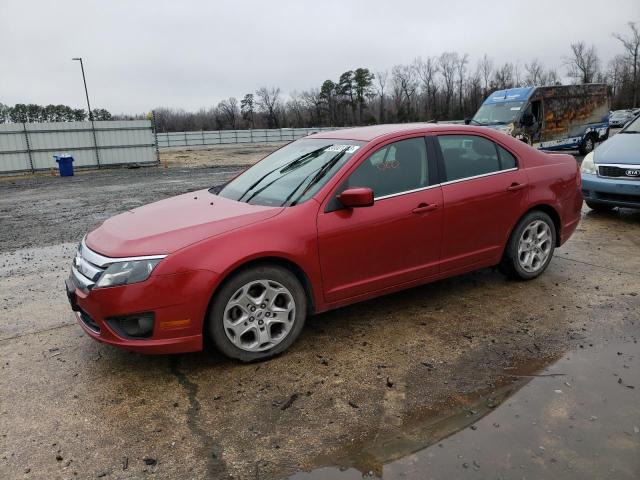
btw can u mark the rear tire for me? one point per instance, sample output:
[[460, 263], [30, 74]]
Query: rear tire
[[257, 313], [599, 207], [530, 247]]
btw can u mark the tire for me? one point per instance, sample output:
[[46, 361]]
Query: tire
[[599, 207], [242, 317], [515, 263], [587, 145]]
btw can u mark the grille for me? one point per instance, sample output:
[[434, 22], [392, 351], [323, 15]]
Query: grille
[[87, 267], [619, 172]]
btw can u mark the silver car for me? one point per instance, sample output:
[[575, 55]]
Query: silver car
[[611, 173]]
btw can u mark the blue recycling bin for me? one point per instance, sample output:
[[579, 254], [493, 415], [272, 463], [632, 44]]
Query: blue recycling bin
[[65, 165]]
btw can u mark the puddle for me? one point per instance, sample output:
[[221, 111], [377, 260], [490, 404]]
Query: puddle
[[577, 418]]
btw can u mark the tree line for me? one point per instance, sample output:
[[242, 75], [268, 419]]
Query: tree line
[[442, 87], [29, 113]]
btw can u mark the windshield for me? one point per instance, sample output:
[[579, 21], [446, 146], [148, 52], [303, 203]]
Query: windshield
[[497, 113], [292, 174], [621, 115], [632, 127]]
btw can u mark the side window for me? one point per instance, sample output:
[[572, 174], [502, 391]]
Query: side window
[[396, 168], [507, 160], [467, 156]]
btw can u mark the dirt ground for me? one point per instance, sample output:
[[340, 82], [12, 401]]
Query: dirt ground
[[226, 155], [364, 388]]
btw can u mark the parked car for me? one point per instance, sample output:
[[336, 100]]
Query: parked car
[[332, 219], [619, 118], [611, 174], [549, 118]]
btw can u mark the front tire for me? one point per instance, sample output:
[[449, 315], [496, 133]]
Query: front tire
[[530, 247], [257, 313], [587, 145]]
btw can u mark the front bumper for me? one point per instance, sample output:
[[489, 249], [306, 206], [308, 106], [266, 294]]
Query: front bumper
[[179, 303], [611, 191]]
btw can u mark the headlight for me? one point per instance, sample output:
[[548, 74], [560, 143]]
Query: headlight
[[124, 273], [588, 166]]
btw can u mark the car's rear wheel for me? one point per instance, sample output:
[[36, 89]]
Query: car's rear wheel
[[599, 207], [258, 313], [587, 145], [530, 246]]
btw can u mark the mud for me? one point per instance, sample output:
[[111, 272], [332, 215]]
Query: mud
[[379, 388]]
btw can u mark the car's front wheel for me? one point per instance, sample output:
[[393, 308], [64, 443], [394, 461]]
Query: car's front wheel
[[587, 145], [530, 246], [257, 313]]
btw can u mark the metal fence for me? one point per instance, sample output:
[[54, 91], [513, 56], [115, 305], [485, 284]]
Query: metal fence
[[221, 137], [31, 146]]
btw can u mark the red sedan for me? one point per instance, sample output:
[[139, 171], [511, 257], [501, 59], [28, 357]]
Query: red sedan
[[325, 221]]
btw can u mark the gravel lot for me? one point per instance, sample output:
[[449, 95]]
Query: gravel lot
[[363, 390]]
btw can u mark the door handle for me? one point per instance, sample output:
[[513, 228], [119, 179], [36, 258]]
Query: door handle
[[424, 208], [514, 187]]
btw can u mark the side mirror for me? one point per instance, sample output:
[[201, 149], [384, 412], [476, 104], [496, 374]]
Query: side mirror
[[356, 197], [527, 119], [467, 121]]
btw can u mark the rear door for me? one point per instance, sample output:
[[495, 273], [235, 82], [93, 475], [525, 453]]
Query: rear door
[[396, 240], [484, 193]]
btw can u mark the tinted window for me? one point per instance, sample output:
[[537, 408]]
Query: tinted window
[[506, 159], [469, 156], [396, 168]]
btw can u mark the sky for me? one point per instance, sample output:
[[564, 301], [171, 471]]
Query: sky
[[190, 54]]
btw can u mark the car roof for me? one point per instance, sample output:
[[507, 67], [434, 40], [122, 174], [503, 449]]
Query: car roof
[[375, 131]]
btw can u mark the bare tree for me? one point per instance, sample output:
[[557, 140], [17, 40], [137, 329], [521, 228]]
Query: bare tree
[[516, 74], [583, 63], [229, 112], [448, 62], [313, 101], [405, 86], [632, 46], [535, 72], [550, 77], [295, 108], [503, 77], [381, 78], [427, 71], [268, 103], [461, 68], [485, 67]]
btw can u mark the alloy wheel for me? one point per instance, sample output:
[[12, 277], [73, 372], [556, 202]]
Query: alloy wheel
[[259, 315], [534, 246]]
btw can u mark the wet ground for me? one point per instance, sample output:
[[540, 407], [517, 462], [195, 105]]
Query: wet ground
[[474, 376]]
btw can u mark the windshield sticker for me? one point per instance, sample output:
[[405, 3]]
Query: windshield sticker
[[342, 148], [515, 108]]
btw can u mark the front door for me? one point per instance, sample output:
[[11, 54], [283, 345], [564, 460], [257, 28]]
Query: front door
[[396, 240]]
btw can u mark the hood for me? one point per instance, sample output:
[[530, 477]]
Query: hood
[[621, 148], [171, 224], [507, 128]]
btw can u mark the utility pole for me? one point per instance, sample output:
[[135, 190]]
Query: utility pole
[[93, 127]]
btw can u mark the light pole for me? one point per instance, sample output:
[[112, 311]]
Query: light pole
[[93, 127]]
